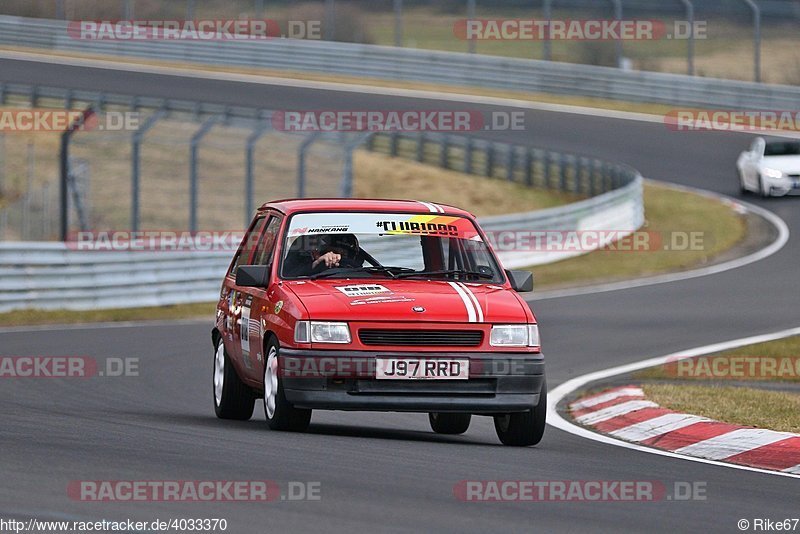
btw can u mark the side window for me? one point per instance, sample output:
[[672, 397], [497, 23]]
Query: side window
[[248, 244], [266, 247]]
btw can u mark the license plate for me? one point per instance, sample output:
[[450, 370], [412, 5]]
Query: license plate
[[421, 369]]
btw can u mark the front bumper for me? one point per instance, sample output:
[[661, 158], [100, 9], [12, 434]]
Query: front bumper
[[783, 186], [498, 383]]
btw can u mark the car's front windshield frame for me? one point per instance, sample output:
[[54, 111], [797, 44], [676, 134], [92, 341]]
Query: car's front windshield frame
[[498, 274]]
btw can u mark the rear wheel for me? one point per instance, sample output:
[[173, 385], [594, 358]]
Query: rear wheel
[[523, 429], [233, 399], [281, 415], [449, 423]]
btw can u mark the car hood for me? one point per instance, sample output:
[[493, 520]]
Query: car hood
[[785, 164], [408, 300]]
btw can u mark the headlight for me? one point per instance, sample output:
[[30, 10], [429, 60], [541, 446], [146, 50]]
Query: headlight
[[514, 335], [321, 332], [772, 173]]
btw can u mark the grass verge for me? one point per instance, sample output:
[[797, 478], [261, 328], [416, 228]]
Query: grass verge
[[777, 360], [775, 410], [670, 214], [39, 317]]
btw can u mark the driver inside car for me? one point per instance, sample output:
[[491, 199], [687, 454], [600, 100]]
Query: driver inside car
[[310, 255]]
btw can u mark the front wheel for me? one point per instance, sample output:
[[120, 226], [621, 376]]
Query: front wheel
[[763, 188], [233, 399], [449, 423], [281, 415], [523, 429]]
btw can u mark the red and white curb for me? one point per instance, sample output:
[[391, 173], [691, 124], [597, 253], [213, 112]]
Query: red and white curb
[[566, 390], [626, 413]]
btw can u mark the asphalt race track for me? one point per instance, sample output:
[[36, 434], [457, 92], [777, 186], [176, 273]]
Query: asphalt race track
[[389, 471]]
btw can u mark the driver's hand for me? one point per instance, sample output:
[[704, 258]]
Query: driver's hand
[[331, 259]]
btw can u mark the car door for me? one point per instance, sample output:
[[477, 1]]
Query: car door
[[231, 301], [257, 304]]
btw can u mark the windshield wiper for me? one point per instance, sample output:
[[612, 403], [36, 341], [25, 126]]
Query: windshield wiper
[[369, 269], [456, 272]]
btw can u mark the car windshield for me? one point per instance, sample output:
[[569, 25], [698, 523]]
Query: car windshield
[[782, 148], [386, 245]]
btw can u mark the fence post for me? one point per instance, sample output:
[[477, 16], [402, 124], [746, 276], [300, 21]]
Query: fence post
[[26, 203], [347, 174], [548, 17], [756, 39], [398, 23], [510, 162], [189, 9], [2, 162], [394, 137], [489, 160], [193, 150], [562, 172], [444, 148], [127, 10], [259, 13], [468, 156], [249, 165], [136, 149], [690, 44], [301, 162], [46, 210], [470, 15], [528, 160], [421, 147], [330, 20], [547, 170], [64, 172], [618, 40], [60, 14]]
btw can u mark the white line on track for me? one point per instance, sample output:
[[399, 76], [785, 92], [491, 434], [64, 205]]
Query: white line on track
[[558, 394]]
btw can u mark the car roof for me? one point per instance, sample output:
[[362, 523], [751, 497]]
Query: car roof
[[290, 206]]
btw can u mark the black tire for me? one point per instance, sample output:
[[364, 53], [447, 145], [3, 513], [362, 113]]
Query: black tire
[[284, 416], [234, 399], [525, 428], [449, 423]]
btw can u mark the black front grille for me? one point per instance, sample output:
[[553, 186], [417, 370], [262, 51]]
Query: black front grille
[[421, 338]]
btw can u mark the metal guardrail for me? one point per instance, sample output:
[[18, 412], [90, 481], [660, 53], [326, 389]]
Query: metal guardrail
[[389, 63]]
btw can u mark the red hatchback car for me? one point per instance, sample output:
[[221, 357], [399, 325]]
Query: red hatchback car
[[383, 305]]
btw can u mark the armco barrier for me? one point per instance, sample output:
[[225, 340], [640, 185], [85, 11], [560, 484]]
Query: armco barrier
[[389, 63]]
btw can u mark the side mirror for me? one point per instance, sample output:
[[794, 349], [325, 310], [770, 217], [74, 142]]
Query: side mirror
[[252, 276], [521, 281]]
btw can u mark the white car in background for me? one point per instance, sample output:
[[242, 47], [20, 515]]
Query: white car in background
[[771, 167]]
